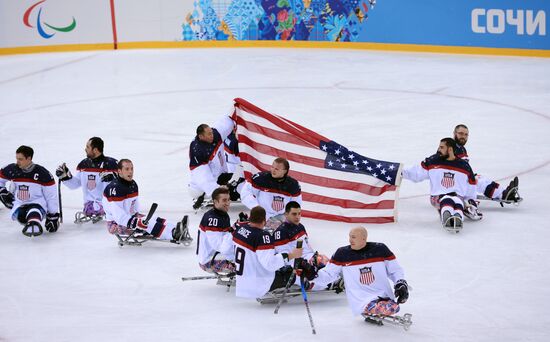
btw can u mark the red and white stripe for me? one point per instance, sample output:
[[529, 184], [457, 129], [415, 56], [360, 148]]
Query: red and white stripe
[[327, 194]]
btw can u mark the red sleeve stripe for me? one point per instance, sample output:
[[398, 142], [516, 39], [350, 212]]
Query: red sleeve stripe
[[281, 242], [243, 244], [214, 229], [264, 247], [121, 198], [362, 261], [28, 180], [298, 235]]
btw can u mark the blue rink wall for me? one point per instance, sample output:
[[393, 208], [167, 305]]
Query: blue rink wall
[[511, 27], [477, 23]]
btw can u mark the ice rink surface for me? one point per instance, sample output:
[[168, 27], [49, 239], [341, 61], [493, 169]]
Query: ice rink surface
[[488, 283]]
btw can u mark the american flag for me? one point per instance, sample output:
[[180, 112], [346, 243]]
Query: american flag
[[337, 184], [448, 180], [366, 276], [91, 182], [23, 193]]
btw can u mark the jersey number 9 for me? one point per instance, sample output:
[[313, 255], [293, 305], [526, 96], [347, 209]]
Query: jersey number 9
[[239, 261]]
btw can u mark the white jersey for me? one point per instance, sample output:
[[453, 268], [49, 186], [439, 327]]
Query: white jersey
[[34, 185], [445, 176], [88, 177], [214, 236], [121, 201], [287, 235], [208, 161], [365, 271], [269, 193], [256, 261]]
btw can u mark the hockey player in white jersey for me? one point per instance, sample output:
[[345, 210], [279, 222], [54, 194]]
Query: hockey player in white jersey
[[485, 186], [367, 268], [121, 204], [92, 174], [208, 162], [35, 193], [289, 232], [272, 190], [257, 264], [452, 182], [215, 248]]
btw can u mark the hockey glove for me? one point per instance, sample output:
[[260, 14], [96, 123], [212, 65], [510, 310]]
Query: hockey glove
[[401, 291], [52, 222], [308, 286], [306, 270], [135, 222], [107, 176], [6, 198], [471, 210], [62, 172], [233, 192], [243, 217]]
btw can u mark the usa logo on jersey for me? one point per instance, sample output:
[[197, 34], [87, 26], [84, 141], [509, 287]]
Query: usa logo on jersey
[[366, 276], [23, 193], [448, 180], [91, 182], [278, 203]]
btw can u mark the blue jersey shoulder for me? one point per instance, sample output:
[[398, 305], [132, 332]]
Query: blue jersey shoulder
[[372, 250], [216, 219], [200, 151], [120, 188], [264, 181]]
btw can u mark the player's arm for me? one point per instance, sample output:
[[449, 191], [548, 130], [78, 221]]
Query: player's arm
[[416, 173], [202, 177], [64, 175], [249, 195], [224, 126], [6, 197], [227, 247], [50, 195], [326, 275], [115, 207], [266, 254]]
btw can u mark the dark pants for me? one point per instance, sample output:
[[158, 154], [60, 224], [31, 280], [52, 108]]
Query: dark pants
[[25, 213], [282, 276]]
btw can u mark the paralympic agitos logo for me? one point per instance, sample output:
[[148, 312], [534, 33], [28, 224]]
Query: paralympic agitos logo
[[42, 26]]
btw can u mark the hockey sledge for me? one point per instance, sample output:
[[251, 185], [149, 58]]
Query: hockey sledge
[[138, 239], [452, 224], [402, 321], [274, 296], [502, 202], [80, 218], [227, 280], [511, 195]]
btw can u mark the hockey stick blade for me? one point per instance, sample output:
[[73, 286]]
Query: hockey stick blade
[[150, 214]]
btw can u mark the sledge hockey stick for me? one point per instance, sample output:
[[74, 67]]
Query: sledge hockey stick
[[307, 305], [199, 278], [150, 213], [289, 283], [59, 201]]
